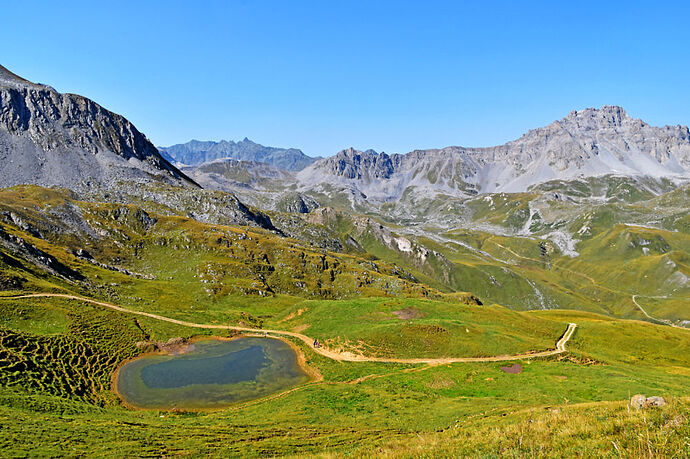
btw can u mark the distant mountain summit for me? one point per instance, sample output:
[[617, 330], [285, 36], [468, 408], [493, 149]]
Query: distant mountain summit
[[53, 139], [586, 143], [362, 165], [198, 152]]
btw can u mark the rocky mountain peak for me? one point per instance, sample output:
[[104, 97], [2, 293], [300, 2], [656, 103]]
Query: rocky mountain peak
[[55, 139], [355, 164], [610, 113], [352, 152], [606, 117], [7, 78]]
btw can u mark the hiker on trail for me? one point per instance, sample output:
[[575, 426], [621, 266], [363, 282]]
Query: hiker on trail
[[316, 343]]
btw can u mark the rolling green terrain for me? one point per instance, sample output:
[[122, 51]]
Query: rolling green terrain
[[371, 298], [358, 405], [588, 245]]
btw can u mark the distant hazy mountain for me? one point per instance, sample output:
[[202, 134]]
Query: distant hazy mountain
[[587, 143], [53, 139], [198, 152]]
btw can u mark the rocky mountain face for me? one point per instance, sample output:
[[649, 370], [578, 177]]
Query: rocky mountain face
[[66, 140], [232, 175], [197, 152], [53, 139], [586, 143]]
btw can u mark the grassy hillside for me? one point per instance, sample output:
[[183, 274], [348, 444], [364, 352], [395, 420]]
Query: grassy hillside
[[588, 245], [58, 356], [358, 405], [422, 328]]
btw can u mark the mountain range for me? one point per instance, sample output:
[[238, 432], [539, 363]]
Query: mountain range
[[404, 283], [196, 152], [586, 143], [55, 139]]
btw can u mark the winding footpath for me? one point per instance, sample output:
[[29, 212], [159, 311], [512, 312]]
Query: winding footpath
[[331, 354], [663, 321]]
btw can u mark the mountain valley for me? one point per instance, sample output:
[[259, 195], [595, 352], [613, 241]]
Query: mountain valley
[[574, 238]]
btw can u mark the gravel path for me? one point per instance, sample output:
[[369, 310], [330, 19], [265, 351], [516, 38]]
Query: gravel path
[[331, 354]]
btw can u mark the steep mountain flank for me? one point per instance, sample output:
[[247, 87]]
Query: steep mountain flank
[[53, 139], [65, 140]]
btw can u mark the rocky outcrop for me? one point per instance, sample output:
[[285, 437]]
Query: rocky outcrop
[[35, 256], [296, 203], [53, 139], [361, 165], [365, 228]]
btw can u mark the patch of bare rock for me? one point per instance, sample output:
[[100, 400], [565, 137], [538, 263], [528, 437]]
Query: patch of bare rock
[[639, 401]]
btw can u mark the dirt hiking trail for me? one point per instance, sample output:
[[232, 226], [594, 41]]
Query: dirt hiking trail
[[334, 355]]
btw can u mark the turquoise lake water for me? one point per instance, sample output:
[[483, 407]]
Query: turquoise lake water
[[211, 374]]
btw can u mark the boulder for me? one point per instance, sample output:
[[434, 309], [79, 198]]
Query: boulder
[[638, 401], [655, 401]]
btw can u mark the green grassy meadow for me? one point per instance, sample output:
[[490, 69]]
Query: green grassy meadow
[[58, 356]]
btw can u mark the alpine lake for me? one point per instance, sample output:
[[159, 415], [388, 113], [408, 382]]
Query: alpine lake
[[210, 374]]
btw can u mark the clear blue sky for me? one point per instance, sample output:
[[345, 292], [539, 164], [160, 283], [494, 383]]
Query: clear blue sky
[[326, 75]]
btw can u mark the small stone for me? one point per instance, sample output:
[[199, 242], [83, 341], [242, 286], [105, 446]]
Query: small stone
[[655, 401], [638, 401]]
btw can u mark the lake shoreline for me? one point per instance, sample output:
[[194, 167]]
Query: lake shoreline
[[312, 374]]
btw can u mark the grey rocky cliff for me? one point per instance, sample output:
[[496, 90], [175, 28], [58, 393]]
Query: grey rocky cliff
[[53, 139], [362, 165], [297, 203]]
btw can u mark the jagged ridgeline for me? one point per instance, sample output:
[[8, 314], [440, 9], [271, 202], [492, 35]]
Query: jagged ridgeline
[[195, 152], [586, 143], [53, 139]]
